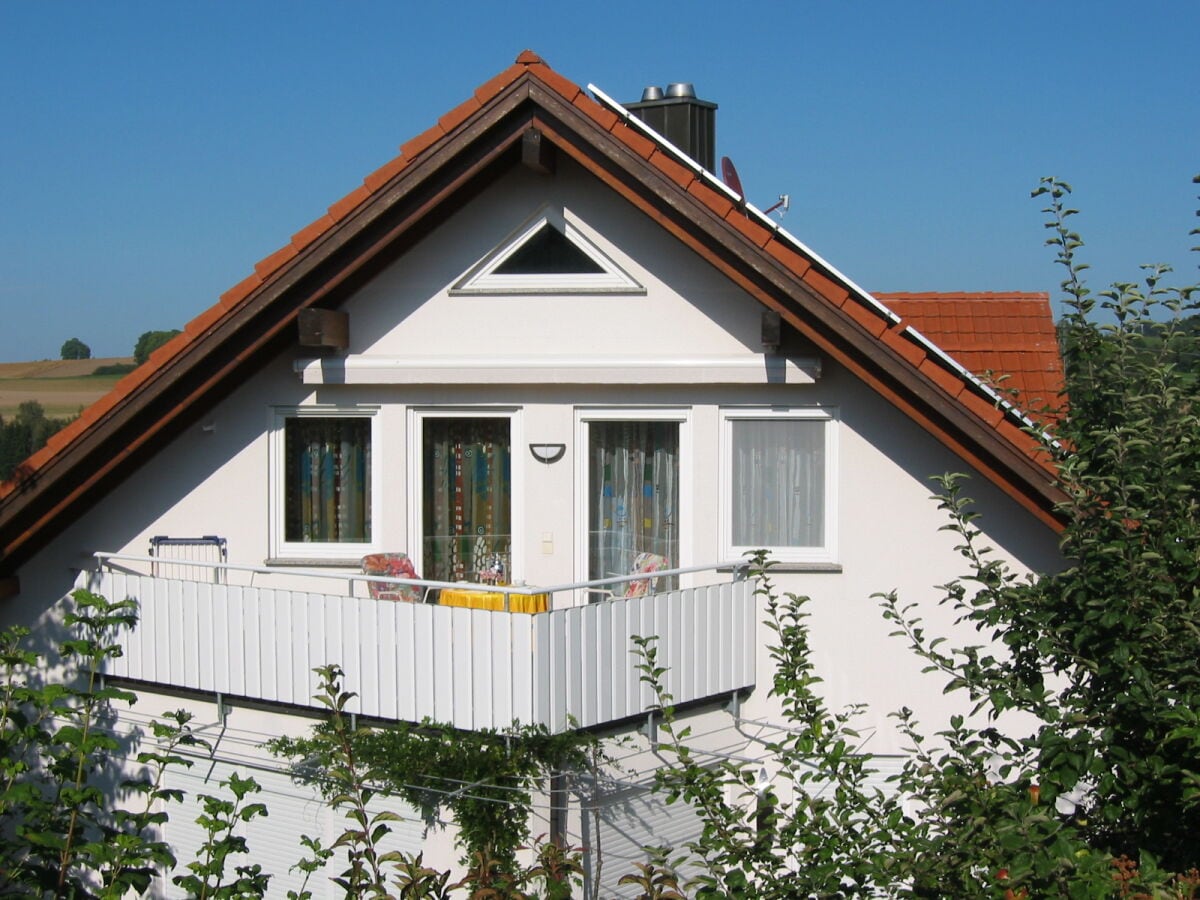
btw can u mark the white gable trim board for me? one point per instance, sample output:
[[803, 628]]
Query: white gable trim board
[[578, 369]]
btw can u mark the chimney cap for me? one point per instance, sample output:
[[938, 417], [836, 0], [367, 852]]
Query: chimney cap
[[652, 92], [681, 89]]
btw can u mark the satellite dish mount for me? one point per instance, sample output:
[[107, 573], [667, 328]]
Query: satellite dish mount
[[729, 175]]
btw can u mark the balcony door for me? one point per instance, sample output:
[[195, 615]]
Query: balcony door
[[464, 494], [633, 469]]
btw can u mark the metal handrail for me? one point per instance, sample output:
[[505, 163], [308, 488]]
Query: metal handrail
[[739, 566]]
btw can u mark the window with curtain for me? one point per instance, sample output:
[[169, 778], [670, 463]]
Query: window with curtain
[[778, 484], [467, 497], [633, 489], [327, 480]]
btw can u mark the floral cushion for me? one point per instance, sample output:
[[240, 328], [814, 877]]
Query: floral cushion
[[644, 562], [391, 565]]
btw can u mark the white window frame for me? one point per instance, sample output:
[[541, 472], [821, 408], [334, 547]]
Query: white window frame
[[416, 487], [280, 547], [482, 277], [828, 551], [685, 514]]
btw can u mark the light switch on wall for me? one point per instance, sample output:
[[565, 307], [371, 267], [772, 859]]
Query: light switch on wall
[[547, 543]]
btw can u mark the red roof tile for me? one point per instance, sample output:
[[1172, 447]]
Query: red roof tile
[[238, 292], [459, 114], [568, 89], [395, 166], [756, 233], [312, 231], [1008, 334], [676, 171], [904, 345], [790, 258], [349, 203], [606, 119], [414, 147], [270, 264]]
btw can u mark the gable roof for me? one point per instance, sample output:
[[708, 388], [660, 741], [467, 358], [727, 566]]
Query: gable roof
[[520, 115]]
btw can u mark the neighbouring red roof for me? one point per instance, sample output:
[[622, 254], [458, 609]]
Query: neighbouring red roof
[[1005, 334], [111, 435]]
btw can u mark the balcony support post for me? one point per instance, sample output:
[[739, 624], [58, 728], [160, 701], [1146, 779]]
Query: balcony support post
[[734, 706], [650, 730], [558, 808]]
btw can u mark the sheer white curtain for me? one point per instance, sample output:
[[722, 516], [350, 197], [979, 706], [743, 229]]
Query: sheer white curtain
[[778, 483], [634, 491]]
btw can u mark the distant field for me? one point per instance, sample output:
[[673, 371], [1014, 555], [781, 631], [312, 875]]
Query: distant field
[[62, 386]]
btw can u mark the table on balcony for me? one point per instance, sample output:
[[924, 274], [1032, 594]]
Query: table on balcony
[[494, 600]]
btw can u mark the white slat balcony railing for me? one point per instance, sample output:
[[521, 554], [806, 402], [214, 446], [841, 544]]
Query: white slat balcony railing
[[470, 668]]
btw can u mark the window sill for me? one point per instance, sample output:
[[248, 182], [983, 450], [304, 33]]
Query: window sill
[[313, 562], [785, 568]]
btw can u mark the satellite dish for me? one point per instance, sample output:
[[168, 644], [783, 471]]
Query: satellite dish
[[730, 176]]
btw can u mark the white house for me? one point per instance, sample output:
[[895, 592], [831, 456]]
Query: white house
[[540, 342]]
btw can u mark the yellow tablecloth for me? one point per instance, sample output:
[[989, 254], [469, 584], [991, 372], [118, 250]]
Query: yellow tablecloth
[[520, 603]]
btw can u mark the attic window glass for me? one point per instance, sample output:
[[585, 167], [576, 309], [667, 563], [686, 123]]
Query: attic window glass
[[548, 253]]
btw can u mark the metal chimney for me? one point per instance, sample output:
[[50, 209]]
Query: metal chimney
[[687, 122]]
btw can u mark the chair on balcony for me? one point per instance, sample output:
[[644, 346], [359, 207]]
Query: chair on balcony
[[392, 565], [643, 564]]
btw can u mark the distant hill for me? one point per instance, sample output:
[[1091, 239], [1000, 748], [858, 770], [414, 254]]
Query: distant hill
[[59, 368], [62, 386]]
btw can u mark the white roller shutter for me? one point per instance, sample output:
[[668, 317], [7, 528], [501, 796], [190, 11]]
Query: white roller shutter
[[274, 841], [630, 819]]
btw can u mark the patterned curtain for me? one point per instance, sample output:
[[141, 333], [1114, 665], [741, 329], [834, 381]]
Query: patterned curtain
[[778, 483], [634, 489], [468, 490], [327, 494]]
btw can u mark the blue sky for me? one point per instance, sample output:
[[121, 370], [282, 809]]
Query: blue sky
[[153, 152]]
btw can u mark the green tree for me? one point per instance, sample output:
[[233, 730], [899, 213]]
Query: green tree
[[430, 765], [63, 835], [24, 434], [149, 341], [74, 348], [1101, 797], [1106, 651]]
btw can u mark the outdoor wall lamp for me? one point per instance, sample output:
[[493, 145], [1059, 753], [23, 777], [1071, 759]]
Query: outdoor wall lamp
[[547, 453]]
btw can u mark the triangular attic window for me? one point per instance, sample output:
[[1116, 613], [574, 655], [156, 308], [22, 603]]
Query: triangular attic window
[[547, 255]]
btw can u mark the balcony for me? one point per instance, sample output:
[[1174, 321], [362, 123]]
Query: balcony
[[471, 668]]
